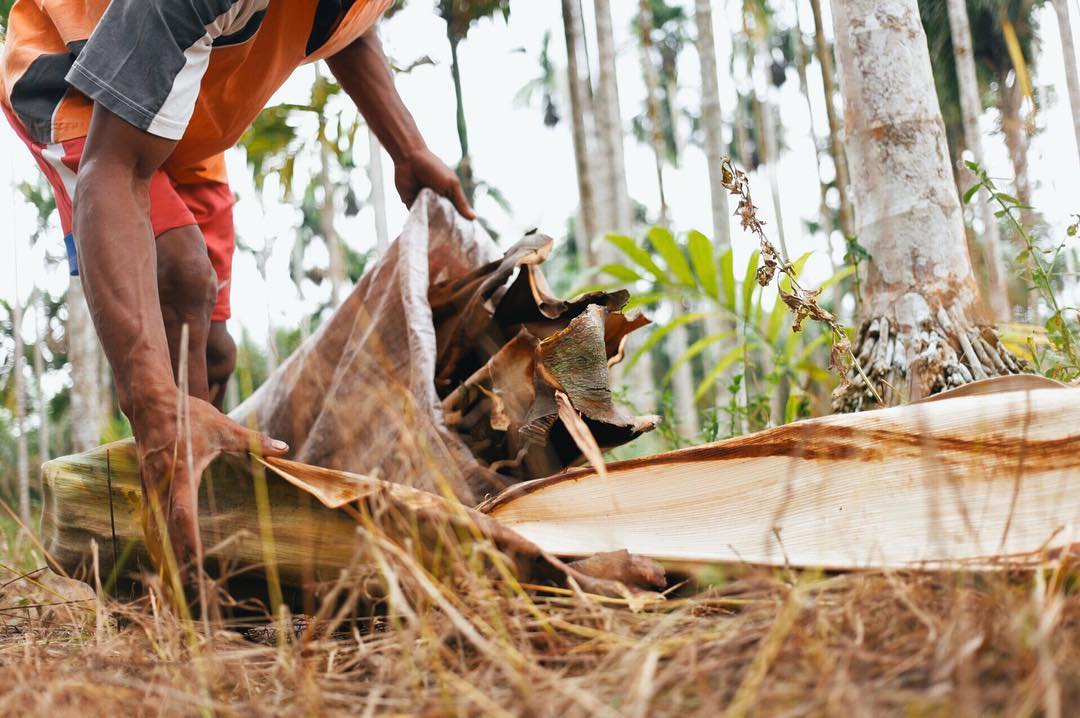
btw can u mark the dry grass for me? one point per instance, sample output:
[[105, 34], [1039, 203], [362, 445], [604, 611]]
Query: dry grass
[[408, 634]]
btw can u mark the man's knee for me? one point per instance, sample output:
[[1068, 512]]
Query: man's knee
[[187, 283]]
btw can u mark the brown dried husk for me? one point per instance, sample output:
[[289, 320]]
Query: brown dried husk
[[439, 369]]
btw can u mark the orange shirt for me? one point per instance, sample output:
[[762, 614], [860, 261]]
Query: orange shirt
[[195, 71]]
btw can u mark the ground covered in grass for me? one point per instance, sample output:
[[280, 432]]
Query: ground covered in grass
[[400, 637]]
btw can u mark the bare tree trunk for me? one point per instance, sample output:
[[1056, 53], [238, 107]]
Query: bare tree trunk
[[970, 108], [609, 123], [652, 102], [22, 470], [1016, 142], [327, 213], [85, 356], [44, 433], [801, 62], [919, 336], [580, 111], [767, 125], [682, 383], [378, 192], [1069, 50], [824, 58], [619, 214], [712, 128], [712, 124]]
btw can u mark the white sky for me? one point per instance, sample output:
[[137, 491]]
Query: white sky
[[532, 165]]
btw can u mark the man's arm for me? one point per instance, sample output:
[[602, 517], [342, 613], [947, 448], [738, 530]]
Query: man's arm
[[364, 73], [118, 264]]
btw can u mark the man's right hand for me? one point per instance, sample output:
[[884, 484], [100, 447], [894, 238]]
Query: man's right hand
[[170, 481]]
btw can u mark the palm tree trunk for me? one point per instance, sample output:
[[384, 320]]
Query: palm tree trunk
[[22, 470], [712, 124], [609, 122], [1016, 142], [824, 58], [327, 213], [801, 62], [767, 126], [970, 108], [712, 128], [84, 356], [617, 213], [580, 111], [465, 165], [920, 336], [682, 384], [378, 192], [1069, 50], [44, 437]]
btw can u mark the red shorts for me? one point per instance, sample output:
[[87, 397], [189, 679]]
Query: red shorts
[[208, 205]]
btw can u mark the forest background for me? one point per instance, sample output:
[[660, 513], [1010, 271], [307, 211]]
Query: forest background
[[316, 203]]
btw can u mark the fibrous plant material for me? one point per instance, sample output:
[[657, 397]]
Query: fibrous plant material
[[439, 369], [321, 523], [975, 481]]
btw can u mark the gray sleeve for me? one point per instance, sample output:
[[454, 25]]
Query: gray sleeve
[[146, 58]]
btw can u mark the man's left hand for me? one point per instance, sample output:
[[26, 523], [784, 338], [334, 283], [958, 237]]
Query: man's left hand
[[423, 169]]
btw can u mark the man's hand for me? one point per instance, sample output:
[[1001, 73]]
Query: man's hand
[[170, 482], [364, 73], [423, 169]]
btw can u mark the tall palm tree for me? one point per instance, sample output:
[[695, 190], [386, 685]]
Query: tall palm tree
[[41, 333], [1072, 80], [920, 335], [460, 16], [86, 357], [836, 143], [610, 127], [825, 214], [18, 373], [581, 113], [712, 124], [970, 109], [683, 380], [377, 199], [757, 23]]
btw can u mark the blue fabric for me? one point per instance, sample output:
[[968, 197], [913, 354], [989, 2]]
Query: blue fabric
[[73, 255]]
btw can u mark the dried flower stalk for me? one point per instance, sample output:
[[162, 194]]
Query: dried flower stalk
[[801, 301]]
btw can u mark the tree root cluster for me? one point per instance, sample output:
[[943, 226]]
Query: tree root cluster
[[941, 354]]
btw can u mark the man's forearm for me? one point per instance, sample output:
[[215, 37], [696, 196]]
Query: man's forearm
[[118, 264], [364, 73]]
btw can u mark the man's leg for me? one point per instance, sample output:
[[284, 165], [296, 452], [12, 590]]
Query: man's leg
[[220, 361], [211, 203], [187, 289]]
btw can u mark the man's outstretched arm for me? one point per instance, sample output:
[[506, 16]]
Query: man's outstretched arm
[[118, 264], [364, 73]]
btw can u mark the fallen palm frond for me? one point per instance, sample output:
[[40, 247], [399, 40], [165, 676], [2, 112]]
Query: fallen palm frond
[[975, 481]]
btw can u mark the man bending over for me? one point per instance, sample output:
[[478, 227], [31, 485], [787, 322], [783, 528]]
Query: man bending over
[[128, 106]]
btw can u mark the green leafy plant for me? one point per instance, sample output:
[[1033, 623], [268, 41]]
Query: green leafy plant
[[1061, 359], [728, 318]]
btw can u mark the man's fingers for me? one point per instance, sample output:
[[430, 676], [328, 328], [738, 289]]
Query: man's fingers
[[242, 440], [457, 196], [263, 445]]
